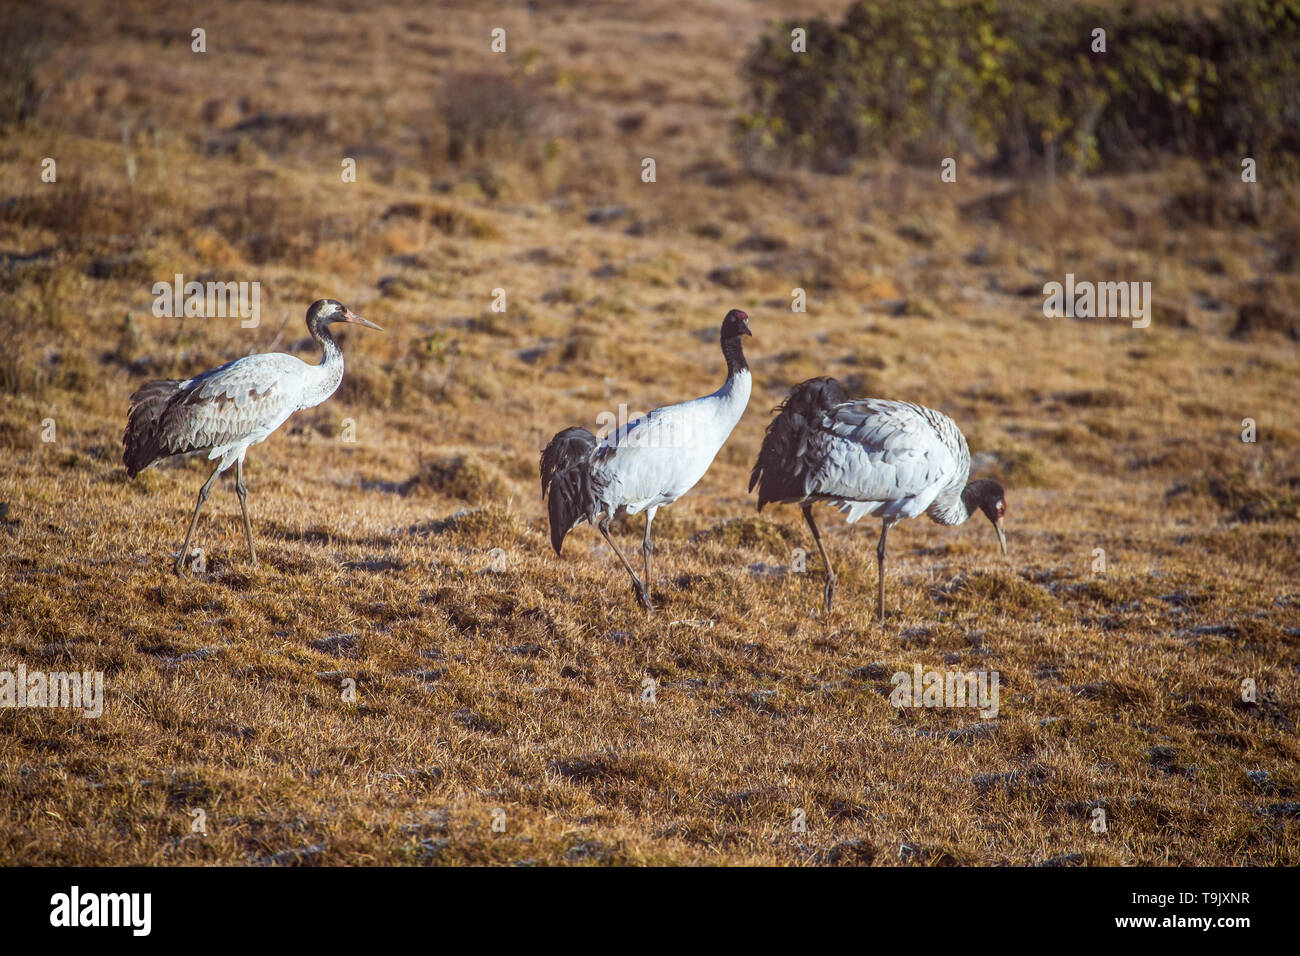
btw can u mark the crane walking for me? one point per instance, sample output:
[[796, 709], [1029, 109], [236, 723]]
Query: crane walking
[[226, 409], [647, 463], [869, 456]]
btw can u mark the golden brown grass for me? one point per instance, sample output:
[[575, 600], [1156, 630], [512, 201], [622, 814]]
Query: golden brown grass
[[512, 679]]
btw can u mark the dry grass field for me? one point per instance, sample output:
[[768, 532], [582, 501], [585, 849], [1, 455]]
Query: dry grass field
[[414, 559]]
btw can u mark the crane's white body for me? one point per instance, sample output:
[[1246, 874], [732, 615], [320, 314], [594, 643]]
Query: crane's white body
[[892, 459], [647, 463], [225, 410], [895, 460], [654, 460], [232, 407]]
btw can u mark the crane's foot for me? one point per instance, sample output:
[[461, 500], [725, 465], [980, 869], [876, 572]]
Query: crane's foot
[[643, 597], [829, 594]]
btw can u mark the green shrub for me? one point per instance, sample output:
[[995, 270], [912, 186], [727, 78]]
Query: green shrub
[[1016, 84]]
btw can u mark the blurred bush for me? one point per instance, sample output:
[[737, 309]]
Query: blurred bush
[[1016, 84], [485, 115], [22, 44]]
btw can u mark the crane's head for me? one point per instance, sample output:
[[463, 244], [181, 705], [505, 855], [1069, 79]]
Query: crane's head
[[324, 312], [735, 325], [988, 496]]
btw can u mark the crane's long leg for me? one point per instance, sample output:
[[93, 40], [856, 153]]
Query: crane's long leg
[[647, 548], [189, 535], [880, 572], [242, 490], [642, 595], [829, 593]]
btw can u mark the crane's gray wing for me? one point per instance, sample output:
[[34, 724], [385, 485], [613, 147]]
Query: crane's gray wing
[[243, 400], [877, 450]]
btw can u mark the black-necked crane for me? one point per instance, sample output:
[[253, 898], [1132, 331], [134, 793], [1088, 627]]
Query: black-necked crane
[[870, 456], [226, 409], [647, 463]]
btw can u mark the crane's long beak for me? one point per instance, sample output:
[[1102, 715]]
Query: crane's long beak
[[350, 316], [1002, 535]]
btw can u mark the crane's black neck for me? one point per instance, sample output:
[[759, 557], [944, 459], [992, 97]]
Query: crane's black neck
[[321, 333], [969, 504], [733, 351], [977, 494]]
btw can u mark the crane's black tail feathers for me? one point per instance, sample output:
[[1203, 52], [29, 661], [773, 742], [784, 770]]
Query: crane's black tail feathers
[[784, 463], [574, 488], [143, 441]]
